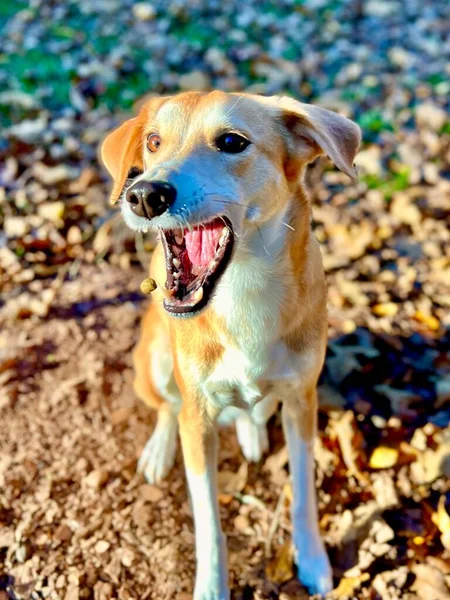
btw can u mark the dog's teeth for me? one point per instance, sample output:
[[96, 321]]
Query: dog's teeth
[[198, 294], [145, 230], [223, 235], [179, 238], [177, 275], [212, 264], [176, 263]]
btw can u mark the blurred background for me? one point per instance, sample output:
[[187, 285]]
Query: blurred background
[[75, 520]]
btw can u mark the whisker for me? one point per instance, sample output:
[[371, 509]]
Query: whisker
[[230, 110], [262, 239], [228, 202], [287, 225]]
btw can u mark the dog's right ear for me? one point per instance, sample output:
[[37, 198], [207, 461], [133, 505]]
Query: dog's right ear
[[122, 152]]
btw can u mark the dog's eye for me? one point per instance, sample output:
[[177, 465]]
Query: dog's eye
[[232, 143], [153, 142]]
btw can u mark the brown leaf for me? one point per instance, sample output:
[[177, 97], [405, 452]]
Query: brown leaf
[[281, 568], [232, 483], [441, 519], [348, 586]]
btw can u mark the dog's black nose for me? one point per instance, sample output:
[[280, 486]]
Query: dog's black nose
[[150, 198]]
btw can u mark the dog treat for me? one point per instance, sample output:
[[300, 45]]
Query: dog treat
[[148, 286]]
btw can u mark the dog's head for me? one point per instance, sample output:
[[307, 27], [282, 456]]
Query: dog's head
[[208, 169]]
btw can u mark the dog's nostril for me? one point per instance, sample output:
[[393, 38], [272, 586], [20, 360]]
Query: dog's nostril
[[133, 199]]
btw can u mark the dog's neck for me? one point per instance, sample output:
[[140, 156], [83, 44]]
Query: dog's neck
[[259, 284]]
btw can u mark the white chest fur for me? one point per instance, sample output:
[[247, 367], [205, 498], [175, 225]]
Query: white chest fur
[[249, 299]]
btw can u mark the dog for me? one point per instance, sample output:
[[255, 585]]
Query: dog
[[239, 322]]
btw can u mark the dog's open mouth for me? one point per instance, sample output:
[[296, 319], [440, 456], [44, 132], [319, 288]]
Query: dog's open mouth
[[195, 260]]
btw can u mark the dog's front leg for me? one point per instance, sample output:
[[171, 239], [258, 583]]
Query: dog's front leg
[[299, 425], [199, 442]]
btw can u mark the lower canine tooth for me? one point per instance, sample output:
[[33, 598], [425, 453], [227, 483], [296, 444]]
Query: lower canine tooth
[[223, 235], [176, 263], [177, 275], [198, 294]]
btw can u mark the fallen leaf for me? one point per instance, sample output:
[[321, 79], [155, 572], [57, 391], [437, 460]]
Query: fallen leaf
[[441, 519], [342, 429], [383, 458], [231, 483], [429, 320], [281, 568], [348, 586]]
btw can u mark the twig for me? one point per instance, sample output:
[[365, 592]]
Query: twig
[[275, 521]]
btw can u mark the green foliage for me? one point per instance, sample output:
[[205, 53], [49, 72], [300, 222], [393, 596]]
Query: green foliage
[[393, 182], [374, 121]]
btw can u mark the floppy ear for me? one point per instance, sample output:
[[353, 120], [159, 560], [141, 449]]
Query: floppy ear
[[318, 131], [121, 152]]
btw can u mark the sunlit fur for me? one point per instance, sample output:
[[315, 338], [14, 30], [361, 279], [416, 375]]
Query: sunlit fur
[[262, 337]]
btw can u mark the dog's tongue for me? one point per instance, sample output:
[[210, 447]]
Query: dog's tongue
[[201, 242]]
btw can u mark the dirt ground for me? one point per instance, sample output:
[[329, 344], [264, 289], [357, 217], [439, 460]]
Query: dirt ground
[[78, 522]]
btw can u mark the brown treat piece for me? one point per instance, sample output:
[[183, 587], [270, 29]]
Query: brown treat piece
[[148, 286]]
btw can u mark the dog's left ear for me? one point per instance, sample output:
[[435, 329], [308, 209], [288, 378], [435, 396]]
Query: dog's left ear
[[122, 152], [316, 131]]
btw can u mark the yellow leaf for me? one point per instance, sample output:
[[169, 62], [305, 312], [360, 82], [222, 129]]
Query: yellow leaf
[[348, 586], [383, 457], [287, 488], [441, 519], [428, 320], [387, 309], [418, 540], [281, 568]]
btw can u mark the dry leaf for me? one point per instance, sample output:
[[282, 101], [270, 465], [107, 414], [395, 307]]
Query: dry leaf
[[348, 586], [429, 320], [281, 568], [343, 430], [232, 483], [388, 309], [275, 462], [441, 519], [383, 458]]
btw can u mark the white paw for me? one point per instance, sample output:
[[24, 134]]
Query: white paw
[[252, 438], [314, 570], [158, 456], [211, 591]]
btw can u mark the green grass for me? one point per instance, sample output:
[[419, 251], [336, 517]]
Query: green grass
[[393, 182]]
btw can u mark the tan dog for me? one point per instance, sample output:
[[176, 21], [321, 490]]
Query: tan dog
[[240, 323]]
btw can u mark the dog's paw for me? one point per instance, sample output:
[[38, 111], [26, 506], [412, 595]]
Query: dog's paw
[[252, 438], [314, 570], [211, 592], [158, 456]]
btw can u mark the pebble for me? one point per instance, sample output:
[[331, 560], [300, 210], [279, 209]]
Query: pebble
[[96, 479], [151, 493], [102, 546]]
